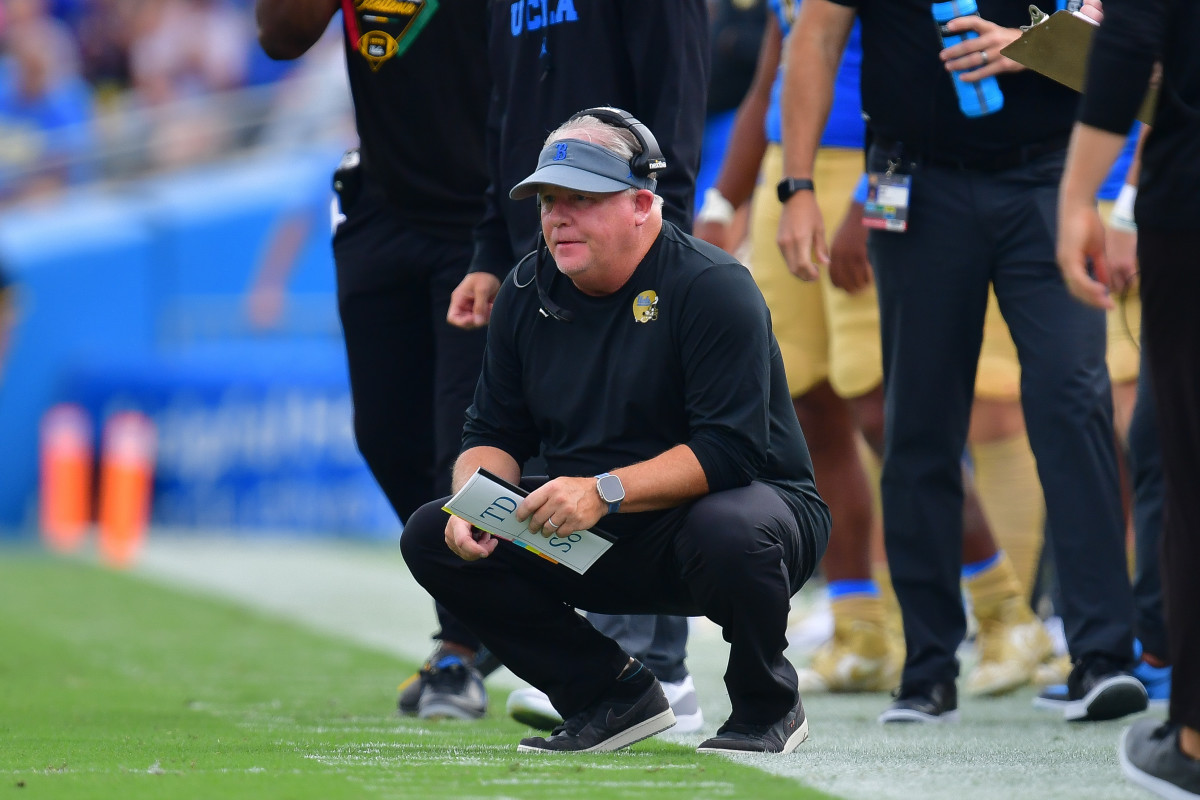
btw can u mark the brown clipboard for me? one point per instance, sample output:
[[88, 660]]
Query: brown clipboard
[[1058, 48]]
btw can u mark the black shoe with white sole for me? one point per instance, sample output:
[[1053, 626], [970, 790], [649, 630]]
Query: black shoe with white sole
[[622, 717], [1097, 689], [929, 703], [783, 737]]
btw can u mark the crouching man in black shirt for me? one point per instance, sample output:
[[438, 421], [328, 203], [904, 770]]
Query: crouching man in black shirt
[[651, 381]]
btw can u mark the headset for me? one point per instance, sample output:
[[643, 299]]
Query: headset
[[549, 308], [649, 160]]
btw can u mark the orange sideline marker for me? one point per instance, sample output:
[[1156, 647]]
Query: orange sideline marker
[[65, 497], [126, 483]]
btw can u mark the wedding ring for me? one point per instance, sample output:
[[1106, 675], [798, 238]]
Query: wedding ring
[[983, 57], [550, 522]]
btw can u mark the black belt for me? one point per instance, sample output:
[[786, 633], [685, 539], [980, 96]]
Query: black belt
[[991, 162]]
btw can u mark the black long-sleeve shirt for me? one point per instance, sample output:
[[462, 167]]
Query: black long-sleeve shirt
[[1132, 37], [683, 353], [552, 58]]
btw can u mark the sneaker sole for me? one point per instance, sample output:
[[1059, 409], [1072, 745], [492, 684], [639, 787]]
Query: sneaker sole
[[1048, 704], [907, 715], [1147, 781], [631, 735], [448, 710], [799, 737], [1112, 699]]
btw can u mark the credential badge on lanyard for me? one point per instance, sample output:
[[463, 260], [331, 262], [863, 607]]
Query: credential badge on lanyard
[[886, 207], [383, 29]]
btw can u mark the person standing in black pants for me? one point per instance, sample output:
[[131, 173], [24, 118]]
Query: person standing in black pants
[[978, 196], [1163, 758], [410, 195]]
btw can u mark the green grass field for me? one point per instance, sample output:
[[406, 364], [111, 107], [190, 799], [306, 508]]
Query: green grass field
[[112, 686]]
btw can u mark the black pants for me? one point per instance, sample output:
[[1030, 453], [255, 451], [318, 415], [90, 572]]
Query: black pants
[[1145, 462], [969, 230], [1171, 332], [736, 557], [412, 374]]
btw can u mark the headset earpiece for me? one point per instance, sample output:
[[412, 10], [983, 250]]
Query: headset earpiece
[[651, 158]]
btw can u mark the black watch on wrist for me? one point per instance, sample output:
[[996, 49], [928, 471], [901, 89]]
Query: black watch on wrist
[[789, 186]]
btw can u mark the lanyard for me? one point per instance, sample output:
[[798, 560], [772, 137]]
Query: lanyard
[[351, 20]]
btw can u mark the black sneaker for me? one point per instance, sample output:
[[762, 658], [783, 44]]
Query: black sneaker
[[609, 724], [451, 689], [1151, 758], [1098, 688], [930, 703], [782, 737], [410, 689]]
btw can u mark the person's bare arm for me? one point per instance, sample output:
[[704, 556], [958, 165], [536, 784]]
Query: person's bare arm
[[813, 52], [287, 28]]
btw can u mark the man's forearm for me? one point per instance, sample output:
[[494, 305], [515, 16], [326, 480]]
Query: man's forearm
[[1089, 160], [665, 481], [288, 28], [493, 459], [814, 51]]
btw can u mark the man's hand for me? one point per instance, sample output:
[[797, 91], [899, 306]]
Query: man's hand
[[1121, 249], [849, 269], [715, 233], [471, 301], [562, 506], [468, 542], [802, 236], [1093, 10], [978, 58], [1080, 240]]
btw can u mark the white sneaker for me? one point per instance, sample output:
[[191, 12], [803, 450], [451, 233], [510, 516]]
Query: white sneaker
[[532, 707], [689, 717]]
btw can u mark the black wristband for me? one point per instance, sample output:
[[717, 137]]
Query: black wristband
[[789, 186]]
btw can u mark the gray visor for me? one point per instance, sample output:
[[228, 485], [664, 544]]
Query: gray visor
[[581, 166]]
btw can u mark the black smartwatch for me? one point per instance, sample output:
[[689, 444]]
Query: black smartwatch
[[609, 487], [789, 186]]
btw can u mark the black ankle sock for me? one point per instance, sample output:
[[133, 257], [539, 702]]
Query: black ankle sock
[[633, 681]]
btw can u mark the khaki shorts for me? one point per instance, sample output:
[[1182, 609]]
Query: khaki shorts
[[823, 332]]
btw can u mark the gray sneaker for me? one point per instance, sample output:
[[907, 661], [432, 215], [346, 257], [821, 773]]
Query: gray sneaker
[[452, 689], [409, 700], [1151, 758]]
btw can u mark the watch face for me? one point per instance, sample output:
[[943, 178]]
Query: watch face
[[610, 489]]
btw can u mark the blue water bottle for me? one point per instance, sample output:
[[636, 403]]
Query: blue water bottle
[[978, 98]]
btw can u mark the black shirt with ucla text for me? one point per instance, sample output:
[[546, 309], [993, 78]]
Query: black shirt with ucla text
[[910, 98], [683, 353], [421, 89], [552, 58]]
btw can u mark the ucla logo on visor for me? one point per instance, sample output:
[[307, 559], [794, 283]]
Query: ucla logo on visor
[[578, 165]]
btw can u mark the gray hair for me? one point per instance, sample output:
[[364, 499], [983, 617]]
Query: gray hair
[[603, 134]]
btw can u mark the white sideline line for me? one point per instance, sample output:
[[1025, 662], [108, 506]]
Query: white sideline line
[[1003, 749]]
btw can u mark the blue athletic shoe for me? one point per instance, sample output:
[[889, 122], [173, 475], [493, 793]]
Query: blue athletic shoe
[[1157, 680]]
